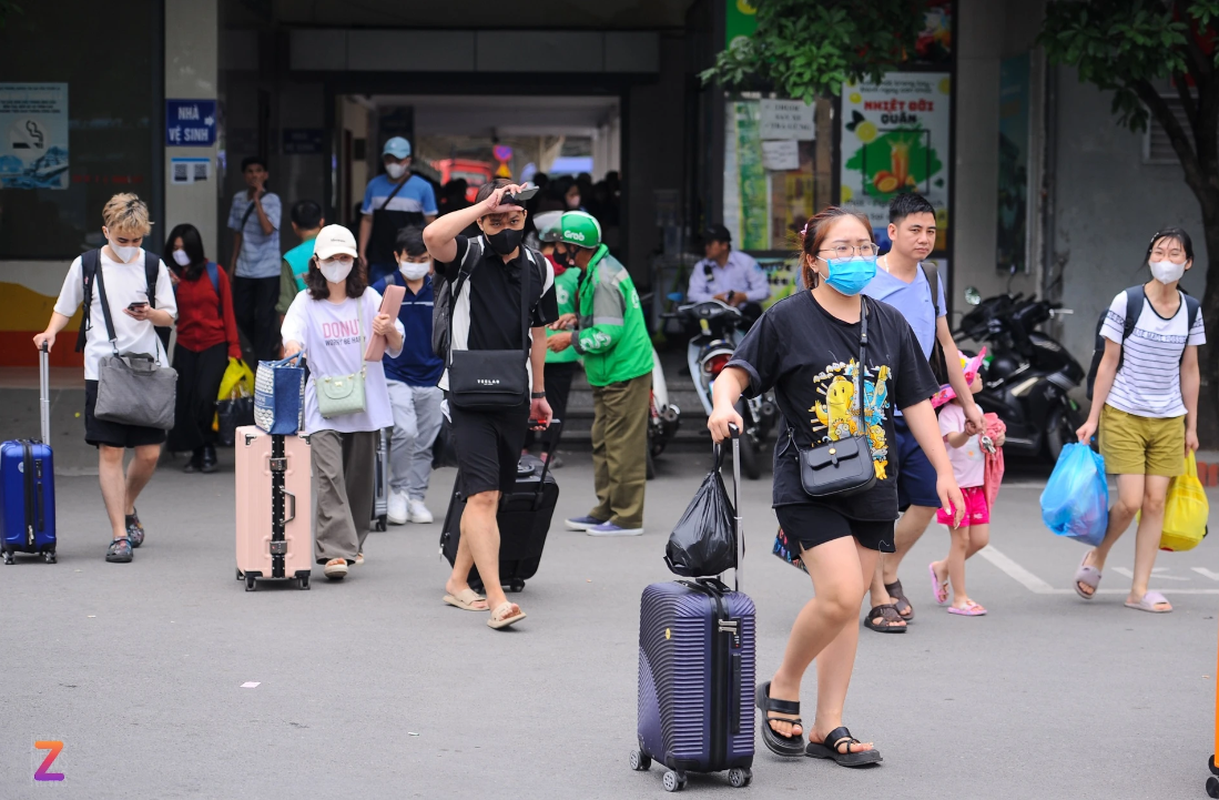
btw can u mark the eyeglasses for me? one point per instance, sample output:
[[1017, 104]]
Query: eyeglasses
[[846, 250]]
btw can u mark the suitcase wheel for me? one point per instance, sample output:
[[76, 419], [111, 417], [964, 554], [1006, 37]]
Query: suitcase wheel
[[517, 585], [303, 581], [239, 575], [640, 762], [49, 557], [251, 583], [674, 781], [381, 524], [8, 557], [740, 777]]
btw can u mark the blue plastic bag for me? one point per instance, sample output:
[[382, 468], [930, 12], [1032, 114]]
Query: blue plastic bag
[[1075, 502]]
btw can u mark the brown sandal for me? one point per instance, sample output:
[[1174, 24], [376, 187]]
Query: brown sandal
[[889, 619], [895, 591]]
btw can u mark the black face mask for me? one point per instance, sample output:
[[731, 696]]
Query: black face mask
[[506, 241]]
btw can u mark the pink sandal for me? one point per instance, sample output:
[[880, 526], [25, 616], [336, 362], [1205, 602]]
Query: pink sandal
[[940, 590], [973, 610]]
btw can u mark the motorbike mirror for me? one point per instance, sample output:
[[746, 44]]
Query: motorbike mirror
[[973, 296]]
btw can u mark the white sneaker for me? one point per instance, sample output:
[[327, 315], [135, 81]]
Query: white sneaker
[[395, 508], [418, 512]]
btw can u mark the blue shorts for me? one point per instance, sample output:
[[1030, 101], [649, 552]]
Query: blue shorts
[[916, 477]]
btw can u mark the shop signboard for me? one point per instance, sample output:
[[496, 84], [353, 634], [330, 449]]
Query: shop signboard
[[896, 137]]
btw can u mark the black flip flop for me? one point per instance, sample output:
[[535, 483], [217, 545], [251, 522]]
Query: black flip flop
[[860, 758], [788, 746], [895, 591], [889, 617]]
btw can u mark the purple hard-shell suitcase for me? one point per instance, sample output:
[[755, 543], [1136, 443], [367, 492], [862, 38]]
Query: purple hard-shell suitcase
[[696, 673], [27, 486]]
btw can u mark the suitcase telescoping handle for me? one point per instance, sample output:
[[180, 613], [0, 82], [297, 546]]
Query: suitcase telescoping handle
[[736, 503], [44, 391]]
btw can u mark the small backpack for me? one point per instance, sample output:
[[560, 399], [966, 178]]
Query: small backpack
[[1135, 296]]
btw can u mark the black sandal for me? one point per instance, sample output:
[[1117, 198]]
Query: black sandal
[[889, 617], [903, 604], [789, 746], [836, 739]]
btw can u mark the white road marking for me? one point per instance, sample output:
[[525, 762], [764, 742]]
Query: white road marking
[[1015, 571], [1214, 576], [1037, 586], [1155, 573]]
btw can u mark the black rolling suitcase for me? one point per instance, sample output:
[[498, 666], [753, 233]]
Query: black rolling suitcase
[[524, 519]]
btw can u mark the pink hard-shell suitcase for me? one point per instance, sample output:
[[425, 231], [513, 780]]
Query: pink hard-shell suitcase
[[274, 502]]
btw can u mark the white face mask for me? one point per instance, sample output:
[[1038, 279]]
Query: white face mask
[[180, 258], [1166, 272], [414, 272], [395, 171], [336, 271]]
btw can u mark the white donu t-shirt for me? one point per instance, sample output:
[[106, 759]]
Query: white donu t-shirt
[[330, 335]]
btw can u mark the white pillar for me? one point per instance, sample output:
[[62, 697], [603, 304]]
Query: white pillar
[[192, 56]]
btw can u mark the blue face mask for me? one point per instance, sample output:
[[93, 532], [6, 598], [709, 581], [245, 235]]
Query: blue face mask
[[849, 276]]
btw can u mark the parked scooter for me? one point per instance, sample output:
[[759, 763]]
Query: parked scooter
[[707, 354], [1029, 375], [664, 419]]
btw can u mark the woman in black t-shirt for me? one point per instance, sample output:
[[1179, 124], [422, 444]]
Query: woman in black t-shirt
[[807, 348]]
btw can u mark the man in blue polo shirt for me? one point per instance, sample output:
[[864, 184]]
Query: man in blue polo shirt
[[412, 378], [393, 201]]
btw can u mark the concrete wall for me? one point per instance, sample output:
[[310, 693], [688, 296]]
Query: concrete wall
[[989, 31], [654, 155], [1109, 203], [192, 72]]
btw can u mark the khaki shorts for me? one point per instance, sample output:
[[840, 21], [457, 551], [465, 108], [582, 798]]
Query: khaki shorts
[[1134, 445]]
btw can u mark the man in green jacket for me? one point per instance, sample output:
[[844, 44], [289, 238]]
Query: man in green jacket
[[612, 338]]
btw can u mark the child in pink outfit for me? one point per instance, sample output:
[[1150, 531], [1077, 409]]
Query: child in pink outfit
[[968, 467]]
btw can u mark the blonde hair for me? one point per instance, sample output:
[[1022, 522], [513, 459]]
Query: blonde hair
[[127, 213]]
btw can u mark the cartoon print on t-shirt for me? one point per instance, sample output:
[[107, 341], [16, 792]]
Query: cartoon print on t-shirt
[[838, 418]]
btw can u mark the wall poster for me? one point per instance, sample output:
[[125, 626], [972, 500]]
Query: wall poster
[[34, 127]]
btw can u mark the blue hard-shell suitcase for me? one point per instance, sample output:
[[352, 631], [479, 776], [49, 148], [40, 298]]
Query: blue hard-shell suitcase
[[27, 488], [696, 675]]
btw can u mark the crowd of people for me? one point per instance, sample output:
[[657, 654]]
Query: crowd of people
[[851, 361]]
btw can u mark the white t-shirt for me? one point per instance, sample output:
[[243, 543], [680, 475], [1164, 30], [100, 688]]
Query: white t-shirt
[[1149, 382], [968, 462], [125, 284], [330, 335]]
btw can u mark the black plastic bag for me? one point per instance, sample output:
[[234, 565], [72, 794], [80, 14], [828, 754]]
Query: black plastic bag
[[233, 414], [444, 449], [703, 543]]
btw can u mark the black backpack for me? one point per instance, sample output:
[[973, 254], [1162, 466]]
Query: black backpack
[[1135, 296], [90, 262]]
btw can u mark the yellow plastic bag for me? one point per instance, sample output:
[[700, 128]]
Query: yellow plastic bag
[[1185, 511], [238, 381]]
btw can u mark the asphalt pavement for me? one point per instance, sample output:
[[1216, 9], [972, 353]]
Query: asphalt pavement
[[164, 678]]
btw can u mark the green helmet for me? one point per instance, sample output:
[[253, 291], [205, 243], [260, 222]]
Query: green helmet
[[580, 228], [547, 224]]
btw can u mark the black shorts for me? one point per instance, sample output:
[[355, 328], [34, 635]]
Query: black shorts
[[811, 525], [488, 445], [115, 434]]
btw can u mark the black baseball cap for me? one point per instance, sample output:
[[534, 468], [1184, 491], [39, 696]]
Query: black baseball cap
[[716, 233]]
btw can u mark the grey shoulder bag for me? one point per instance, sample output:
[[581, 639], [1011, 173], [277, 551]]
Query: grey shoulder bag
[[132, 388], [841, 467]]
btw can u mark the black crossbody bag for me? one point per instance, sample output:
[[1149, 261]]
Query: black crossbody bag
[[490, 380], [843, 467]]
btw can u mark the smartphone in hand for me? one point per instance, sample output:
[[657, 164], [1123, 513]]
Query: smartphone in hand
[[137, 306]]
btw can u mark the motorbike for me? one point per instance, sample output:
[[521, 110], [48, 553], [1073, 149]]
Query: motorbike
[[663, 419], [1029, 375], [706, 355]]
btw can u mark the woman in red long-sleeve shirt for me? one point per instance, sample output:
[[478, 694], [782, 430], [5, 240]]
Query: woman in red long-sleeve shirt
[[207, 339]]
